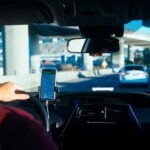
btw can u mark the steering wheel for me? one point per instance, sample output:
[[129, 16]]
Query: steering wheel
[[40, 107]]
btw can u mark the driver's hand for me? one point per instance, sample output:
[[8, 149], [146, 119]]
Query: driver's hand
[[7, 92]]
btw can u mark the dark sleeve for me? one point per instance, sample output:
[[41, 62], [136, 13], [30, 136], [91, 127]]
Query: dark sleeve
[[20, 131]]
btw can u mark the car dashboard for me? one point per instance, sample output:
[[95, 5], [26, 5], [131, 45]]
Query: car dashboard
[[105, 104], [97, 119]]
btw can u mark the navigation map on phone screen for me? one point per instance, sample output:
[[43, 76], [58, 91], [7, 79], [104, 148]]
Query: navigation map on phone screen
[[48, 84]]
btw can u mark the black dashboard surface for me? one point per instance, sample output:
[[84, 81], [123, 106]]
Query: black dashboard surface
[[85, 116], [67, 102], [93, 117], [138, 102]]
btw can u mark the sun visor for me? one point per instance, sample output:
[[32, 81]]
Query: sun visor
[[73, 12], [93, 12], [24, 12]]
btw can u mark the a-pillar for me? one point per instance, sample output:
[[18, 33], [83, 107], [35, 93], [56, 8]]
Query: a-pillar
[[16, 49], [118, 58]]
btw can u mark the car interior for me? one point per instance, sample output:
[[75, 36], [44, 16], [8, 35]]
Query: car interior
[[86, 119]]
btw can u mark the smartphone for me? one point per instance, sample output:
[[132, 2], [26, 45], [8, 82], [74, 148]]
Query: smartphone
[[48, 83]]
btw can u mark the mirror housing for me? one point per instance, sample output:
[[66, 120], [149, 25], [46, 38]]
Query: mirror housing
[[93, 45]]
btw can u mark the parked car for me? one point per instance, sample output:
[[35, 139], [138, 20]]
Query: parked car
[[134, 74]]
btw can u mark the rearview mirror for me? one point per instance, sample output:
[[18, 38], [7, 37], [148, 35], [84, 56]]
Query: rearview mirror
[[93, 45]]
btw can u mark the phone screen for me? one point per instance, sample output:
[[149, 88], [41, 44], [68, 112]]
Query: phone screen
[[47, 90]]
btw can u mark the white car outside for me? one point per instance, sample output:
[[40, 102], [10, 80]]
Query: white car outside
[[134, 74]]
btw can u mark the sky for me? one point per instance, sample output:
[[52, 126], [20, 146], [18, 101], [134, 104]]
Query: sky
[[137, 26]]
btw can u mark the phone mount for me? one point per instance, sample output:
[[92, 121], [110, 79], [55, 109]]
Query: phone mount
[[48, 102], [55, 90]]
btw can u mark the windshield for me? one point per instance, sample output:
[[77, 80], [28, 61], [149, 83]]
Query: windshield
[[25, 50]]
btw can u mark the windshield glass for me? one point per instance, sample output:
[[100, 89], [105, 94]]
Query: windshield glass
[[25, 50]]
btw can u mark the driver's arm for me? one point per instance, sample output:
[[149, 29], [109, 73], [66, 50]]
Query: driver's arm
[[7, 92], [19, 129]]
